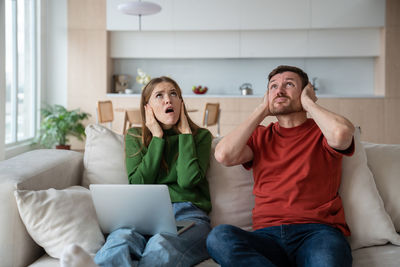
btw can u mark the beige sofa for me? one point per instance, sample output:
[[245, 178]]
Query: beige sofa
[[370, 186]]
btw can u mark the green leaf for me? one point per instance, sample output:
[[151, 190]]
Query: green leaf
[[58, 123]]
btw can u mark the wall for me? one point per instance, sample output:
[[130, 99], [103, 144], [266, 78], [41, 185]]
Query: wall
[[56, 52], [392, 72], [88, 66]]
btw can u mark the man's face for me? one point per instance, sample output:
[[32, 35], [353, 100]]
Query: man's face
[[284, 93]]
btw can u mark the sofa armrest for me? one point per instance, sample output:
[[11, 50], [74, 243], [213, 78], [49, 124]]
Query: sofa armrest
[[34, 170]]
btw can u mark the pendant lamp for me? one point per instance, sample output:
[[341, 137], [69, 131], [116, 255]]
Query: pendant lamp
[[139, 8]]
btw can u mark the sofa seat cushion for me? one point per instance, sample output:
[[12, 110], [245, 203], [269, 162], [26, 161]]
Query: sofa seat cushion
[[46, 261], [377, 256]]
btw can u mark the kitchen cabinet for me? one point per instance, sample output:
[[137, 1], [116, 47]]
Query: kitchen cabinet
[[347, 14], [246, 44], [222, 15]]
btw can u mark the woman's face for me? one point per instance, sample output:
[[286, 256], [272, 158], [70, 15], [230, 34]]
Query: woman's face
[[166, 104]]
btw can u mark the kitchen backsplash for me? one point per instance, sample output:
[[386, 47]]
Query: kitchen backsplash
[[335, 76]]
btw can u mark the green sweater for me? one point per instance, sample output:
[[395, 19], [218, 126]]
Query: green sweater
[[186, 156]]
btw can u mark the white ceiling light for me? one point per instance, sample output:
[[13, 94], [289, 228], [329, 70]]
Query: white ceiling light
[[139, 8]]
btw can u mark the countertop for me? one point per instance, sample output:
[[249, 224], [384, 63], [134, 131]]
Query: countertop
[[251, 96]]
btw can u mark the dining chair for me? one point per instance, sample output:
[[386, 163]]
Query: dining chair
[[132, 118], [211, 116], [105, 112]]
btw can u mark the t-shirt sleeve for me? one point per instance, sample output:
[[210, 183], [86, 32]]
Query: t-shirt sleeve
[[339, 153], [251, 143]]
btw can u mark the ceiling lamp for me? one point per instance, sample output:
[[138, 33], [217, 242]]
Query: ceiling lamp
[[139, 8]]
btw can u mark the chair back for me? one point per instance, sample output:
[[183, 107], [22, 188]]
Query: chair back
[[132, 118], [211, 114], [105, 111]]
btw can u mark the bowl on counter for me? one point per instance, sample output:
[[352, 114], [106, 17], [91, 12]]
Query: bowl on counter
[[199, 90]]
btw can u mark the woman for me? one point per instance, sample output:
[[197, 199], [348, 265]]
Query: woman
[[169, 149]]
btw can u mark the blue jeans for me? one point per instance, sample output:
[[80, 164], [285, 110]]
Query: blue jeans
[[286, 245], [126, 247]]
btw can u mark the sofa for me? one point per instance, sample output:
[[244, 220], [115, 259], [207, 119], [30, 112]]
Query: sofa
[[45, 203]]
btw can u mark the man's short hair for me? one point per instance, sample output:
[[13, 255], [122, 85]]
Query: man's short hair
[[284, 68]]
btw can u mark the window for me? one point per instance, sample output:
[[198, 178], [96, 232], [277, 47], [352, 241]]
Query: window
[[21, 57]]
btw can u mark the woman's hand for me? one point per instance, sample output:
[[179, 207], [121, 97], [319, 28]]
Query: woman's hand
[[152, 123], [183, 125]]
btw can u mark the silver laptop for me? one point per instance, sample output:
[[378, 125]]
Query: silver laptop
[[147, 208]]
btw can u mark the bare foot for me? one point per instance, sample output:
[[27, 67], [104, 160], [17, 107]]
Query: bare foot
[[75, 256]]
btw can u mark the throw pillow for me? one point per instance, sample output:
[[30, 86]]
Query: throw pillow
[[231, 190], [364, 210], [57, 218], [384, 162], [104, 158]]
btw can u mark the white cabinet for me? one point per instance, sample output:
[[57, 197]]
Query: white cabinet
[[221, 15], [198, 44], [247, 44], [274, 15], [347, 13]]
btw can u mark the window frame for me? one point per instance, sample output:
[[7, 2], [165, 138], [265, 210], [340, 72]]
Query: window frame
[[35, 26]]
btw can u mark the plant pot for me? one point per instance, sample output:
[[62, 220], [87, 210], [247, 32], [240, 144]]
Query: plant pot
[[66, 147]]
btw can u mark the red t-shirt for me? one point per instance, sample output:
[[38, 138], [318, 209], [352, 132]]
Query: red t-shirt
[[296, 177]]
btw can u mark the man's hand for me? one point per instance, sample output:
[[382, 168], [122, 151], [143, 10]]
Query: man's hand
[[152, 123], [307, 95], [264, 106], [183, 125]]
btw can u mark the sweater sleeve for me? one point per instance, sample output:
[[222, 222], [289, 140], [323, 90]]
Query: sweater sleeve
[[193, 159], [143, 164]]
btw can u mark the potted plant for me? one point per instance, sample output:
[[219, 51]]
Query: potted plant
[[57, 123]]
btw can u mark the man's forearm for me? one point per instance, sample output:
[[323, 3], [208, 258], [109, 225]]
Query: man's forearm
[[231, 150], [337, 130]]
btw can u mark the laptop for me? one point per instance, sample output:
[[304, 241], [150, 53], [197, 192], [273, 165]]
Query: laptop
[[147, 208]]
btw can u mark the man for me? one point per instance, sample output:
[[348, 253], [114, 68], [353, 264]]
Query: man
[[298, 218]]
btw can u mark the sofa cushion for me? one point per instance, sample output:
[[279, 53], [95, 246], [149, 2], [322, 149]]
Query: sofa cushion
[[364, 210], [104, 158], [231, 190], [57, 218], [384, 162]]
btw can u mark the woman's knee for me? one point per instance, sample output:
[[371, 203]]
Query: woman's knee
[[126, 235]]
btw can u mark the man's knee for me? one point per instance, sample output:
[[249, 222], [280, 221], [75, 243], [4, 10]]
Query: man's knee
[[328, 248], [220, 237]]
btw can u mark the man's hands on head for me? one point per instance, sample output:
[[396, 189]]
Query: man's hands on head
[[264, 106], [308, 96]]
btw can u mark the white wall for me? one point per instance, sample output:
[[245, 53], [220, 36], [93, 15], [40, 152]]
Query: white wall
[[56, 37]]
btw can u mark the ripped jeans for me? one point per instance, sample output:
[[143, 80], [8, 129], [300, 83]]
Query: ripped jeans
[[126, 247]]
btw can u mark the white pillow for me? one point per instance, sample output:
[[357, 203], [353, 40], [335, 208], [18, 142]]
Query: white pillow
[[104, 158], [57, 218], [384, 162], [231, 190], [365, 214]]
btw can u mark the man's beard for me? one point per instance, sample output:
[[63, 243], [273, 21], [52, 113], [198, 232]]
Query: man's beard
[[284, 110]]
